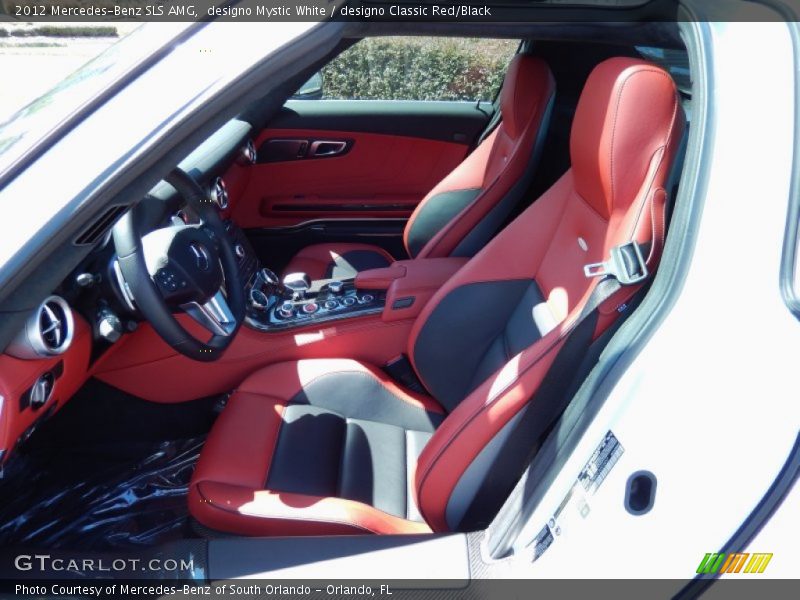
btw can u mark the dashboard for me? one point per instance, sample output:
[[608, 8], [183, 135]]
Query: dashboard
[[91, 310]]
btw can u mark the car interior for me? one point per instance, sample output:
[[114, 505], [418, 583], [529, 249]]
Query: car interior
[[348, 315]]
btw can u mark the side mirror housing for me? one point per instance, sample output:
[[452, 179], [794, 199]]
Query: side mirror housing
[[311, 89]]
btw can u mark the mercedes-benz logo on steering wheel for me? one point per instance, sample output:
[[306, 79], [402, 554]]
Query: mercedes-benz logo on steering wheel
[[201, 256]]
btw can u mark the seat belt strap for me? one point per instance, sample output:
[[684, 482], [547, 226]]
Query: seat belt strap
[[551, 399]]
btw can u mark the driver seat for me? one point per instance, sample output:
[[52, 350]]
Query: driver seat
[[328, 447]]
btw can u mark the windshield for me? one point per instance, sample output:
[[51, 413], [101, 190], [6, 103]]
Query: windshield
[[28, 125]]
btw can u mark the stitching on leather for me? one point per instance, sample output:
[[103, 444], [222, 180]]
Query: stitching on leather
[[663, 149], [637, 71]]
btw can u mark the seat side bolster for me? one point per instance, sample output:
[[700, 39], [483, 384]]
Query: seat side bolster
[[256, 419], [246, 511], [474, 423]]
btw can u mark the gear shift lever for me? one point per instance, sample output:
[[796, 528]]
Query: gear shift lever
[[299, 283]]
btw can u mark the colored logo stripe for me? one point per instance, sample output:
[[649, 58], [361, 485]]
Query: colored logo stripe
[[721, 562]]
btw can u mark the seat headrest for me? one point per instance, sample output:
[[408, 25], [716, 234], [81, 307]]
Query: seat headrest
[[625, 116], [525, 79]]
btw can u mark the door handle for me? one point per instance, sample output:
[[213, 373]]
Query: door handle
[[320, 148]]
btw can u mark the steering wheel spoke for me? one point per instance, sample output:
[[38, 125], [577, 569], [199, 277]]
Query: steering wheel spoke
[[215, 315]]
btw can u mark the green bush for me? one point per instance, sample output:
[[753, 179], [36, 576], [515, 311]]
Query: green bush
[[72, 31], [418, 69], [61, 31]]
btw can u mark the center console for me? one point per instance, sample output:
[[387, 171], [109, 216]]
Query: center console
[[275, 305], [397, 292], [296, 302]]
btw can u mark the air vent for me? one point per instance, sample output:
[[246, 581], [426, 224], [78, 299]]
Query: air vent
[[99, 228], [248, 155], [47, 332], [218, 193], [53, 326]]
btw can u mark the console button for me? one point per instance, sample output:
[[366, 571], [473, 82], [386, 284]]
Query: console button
[[286, 310], [335, 287], [366, 299], [331, 304], [349, 301], [167, 279], [310, 308], [406, 302]]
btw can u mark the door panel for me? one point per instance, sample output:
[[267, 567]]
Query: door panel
[[346, 160], [445, 121], [379, 176]]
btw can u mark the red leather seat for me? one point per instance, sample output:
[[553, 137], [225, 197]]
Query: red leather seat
[[333, 446], [463, 212]]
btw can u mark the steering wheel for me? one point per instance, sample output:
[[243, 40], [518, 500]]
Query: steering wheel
[[191, 267]]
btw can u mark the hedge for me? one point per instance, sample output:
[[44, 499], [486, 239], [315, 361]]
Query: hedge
[[61, 31], [418, 69]]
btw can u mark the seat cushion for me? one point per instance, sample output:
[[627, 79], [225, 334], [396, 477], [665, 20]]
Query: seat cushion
[[338, 261], [314, 447]]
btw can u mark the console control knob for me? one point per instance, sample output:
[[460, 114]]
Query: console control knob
[[41, 391], [109, 326], [286, 310], [238, 249], [331, 304], [349, 301], [366, 299], [268, 276], [258, 300], [310, 308], [335, 287]]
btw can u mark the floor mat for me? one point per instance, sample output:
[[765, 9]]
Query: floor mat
[[96, 500]]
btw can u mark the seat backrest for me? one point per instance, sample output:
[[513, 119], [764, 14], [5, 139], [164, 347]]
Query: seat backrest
[[485, 341], [463, 211]]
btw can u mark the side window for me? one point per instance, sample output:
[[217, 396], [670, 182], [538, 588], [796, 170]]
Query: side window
[[674, 61], [416, 68]]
